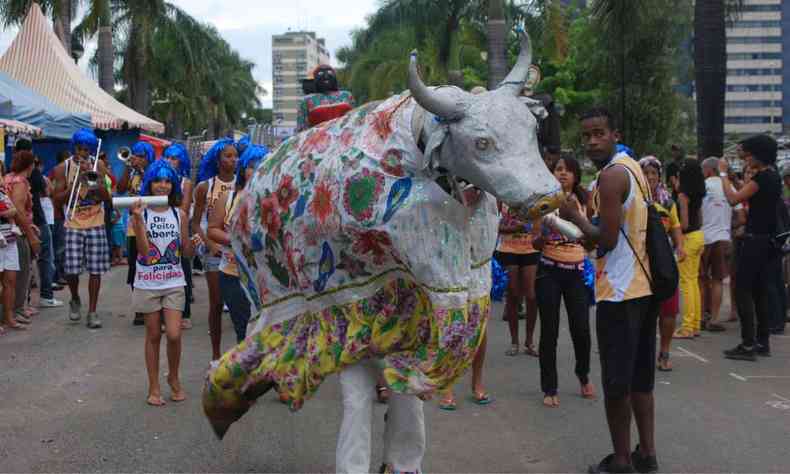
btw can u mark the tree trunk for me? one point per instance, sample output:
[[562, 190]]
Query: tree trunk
[[710, 64], [62, 23], [106, 56], [496, 29], [139, 85]]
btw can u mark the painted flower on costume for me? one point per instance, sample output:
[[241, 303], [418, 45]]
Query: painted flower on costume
[[362, 193]]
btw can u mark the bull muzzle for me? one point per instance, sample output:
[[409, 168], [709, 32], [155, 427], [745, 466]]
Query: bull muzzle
[[542, 206]]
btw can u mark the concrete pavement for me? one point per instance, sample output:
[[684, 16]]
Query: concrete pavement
[[73, 400]]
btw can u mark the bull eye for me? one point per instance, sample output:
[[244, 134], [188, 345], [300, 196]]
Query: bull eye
[[482, 144]]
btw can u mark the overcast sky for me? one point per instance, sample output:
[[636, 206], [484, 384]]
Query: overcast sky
[[248, 25]]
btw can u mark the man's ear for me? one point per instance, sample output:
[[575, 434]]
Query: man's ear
[[617, 136]]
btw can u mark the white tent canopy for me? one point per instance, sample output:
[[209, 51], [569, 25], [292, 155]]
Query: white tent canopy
[[38, 60]]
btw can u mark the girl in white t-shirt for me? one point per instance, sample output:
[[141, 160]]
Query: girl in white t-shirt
[[159, 278]]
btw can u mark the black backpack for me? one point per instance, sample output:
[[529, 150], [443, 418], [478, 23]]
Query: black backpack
[[663, 275], [781, 239]]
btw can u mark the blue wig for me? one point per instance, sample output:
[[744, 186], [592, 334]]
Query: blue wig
[[144, 149], [209, 164], [160, 170], [177, 150], [244, 143], [253, 155], [84, 137]]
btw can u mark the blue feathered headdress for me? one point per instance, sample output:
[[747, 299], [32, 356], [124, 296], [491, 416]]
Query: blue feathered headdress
[[209, 164], [160, 170], [250, 158], [84, 137], [144, 149], [177, 150]]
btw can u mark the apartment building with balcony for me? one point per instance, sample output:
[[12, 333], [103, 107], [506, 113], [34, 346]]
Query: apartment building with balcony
[[294, 55], [757, 97]]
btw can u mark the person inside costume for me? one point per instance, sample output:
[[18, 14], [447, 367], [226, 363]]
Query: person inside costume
[[327, 103], [142, 156], [179, 160]]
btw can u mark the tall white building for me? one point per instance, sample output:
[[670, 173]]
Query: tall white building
[[754, 100], [294, 55]]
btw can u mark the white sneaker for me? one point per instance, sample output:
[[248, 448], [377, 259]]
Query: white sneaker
[[93, 321], [50, 303]]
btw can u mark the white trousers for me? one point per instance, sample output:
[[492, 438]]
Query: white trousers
[[404, 434]]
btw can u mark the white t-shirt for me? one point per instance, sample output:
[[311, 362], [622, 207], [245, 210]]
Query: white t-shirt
[[161, 268], [716, 212]]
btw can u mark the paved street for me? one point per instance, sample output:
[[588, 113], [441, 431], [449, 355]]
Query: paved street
[[72, 399]]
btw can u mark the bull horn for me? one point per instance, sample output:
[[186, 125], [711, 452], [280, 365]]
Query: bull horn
[[514, 82], [429, 100]]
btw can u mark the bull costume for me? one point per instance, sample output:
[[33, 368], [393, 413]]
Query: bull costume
[[352, 254], [327, 103]]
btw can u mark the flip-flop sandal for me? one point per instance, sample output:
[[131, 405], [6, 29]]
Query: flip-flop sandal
[[681, 334], [481, 398], [513, 351], [663, 362], [530, 351], [589, 395], [155, 402], [448, 404], [716, 327]]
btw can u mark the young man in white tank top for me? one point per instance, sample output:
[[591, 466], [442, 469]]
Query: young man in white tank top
[[217, 178], [626, 316]]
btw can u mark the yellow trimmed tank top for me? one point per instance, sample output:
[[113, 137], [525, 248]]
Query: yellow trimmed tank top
[[89, 212], [619, 276]]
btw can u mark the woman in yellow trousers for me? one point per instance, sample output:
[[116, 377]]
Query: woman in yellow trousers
[[692, 191]]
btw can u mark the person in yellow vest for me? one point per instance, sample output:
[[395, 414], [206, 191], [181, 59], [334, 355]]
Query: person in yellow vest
[[86, 239], [626, 314], [216, 178], [142, 156]]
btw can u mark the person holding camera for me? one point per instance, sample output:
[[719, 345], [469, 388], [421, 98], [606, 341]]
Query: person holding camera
[[79, 186], [758, 259]]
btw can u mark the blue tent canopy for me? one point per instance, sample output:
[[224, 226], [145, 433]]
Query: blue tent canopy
[[20, 103]]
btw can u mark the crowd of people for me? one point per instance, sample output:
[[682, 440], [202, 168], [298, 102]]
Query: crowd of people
[[721, 223]]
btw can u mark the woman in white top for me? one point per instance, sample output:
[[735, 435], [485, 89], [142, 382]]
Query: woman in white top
[[159, 278]]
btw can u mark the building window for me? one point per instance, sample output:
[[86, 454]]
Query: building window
[[754, 72], [757, 24], [752, 104], [754, 88], [761, 8], [754, 40], [752, 56], [752, 120]]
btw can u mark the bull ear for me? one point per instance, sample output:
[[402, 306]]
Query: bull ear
[[515, 80], [428, 99], [535, 106]]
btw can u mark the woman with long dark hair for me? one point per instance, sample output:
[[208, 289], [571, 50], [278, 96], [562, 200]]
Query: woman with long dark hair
[[561, 277], [691, 192]]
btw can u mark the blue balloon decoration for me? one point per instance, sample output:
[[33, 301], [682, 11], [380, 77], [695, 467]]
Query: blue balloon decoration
[[499, 280]]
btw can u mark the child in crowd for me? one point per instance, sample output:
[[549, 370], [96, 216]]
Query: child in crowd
[[159, 279], [118, 237]]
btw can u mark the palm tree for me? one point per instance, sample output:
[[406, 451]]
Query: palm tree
[[14, 12], [496, 27], [98, 21]]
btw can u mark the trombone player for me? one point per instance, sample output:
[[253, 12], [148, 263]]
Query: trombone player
[[80, 191]]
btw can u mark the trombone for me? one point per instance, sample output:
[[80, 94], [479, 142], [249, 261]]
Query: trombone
[[91, 180]]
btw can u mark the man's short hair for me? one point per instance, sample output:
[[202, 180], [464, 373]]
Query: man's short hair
[[600, 112], [711, 163], [23, 144], [761, 147]]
